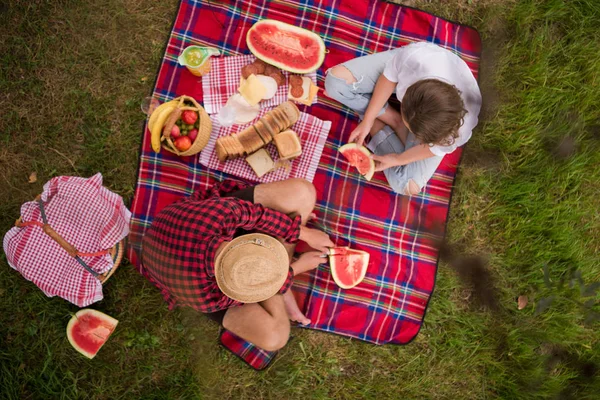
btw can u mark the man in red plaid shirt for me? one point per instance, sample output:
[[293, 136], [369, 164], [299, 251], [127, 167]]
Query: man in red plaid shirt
[[180, 248]]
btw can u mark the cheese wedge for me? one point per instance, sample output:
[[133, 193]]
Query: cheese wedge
[[260, 162], [252, 90], [309, 92]]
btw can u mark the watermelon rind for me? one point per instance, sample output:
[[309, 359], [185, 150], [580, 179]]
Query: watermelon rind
[[353, 146], [73, 321], [333, 267], [284, 26]]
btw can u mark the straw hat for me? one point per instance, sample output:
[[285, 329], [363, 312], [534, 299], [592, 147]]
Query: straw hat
[[252, 268]]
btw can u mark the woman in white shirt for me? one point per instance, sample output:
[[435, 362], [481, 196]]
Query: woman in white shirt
[[440, 103]]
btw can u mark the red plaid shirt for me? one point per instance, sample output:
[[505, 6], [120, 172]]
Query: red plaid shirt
[[178, 251]]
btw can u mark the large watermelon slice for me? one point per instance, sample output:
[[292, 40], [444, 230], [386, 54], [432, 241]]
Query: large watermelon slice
[[88, 330], [359, 157], [286, 46], [348, 266]]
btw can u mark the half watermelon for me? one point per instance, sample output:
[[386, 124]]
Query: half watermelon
[[359, 157], [88, 330], [348, 266], [286, 46]]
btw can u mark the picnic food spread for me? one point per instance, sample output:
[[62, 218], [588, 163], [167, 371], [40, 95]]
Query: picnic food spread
[[359, 157], [286, 46], [258, 135], [348, 266], [88, 330]]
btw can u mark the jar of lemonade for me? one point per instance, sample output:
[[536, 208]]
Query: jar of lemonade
[[197, 59]]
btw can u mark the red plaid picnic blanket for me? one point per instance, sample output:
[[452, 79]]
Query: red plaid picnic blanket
[[311, 131], [223, 81], [86, 215], [399, 232]]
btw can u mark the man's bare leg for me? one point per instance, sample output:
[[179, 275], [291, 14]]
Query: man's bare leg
[[264, 324], [292, 196], [288, 196]]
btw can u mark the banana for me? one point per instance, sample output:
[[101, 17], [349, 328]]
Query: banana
[[155, 113], [157, 127]]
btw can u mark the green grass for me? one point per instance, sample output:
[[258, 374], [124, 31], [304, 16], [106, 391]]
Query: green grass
[[72, 77]]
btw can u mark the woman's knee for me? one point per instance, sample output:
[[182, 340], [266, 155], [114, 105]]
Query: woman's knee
[[337, 81], [411, 188], [277, 337], [339, 71]]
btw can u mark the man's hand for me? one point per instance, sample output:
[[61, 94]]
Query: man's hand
[[316, 239], [307, 261], [384, 162], [359, 134]]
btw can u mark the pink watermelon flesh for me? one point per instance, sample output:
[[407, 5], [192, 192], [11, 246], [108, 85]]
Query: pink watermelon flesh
[[89, 332], [294, 50], [358, 159], [348, 269]]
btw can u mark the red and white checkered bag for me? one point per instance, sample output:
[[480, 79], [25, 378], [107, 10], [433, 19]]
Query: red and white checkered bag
[[88, 217], [311, 131], [223, 81]]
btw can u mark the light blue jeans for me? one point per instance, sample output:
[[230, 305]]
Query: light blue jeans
[[356, 96]]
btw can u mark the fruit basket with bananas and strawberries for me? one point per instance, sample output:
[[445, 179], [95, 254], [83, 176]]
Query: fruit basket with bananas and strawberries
[[180, 126]]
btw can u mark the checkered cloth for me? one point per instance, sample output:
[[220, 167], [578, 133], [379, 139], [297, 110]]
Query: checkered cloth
[[86, 215], [398, 231], [223, 81], [311, 131]]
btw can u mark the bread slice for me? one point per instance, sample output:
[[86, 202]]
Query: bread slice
[[278, 118], [238, 149], [262, 132], [288, 145], [250, 140], [222, 153], [268, 127], [233, 147], [260, 162], [291, 112]]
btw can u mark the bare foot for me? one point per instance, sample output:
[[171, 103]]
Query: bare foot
[[292, 309]]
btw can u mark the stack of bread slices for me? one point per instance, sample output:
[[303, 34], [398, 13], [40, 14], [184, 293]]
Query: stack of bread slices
[[272, 127]]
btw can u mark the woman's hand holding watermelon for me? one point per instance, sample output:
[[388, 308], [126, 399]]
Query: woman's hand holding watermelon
[[360, 133], [385, 162]]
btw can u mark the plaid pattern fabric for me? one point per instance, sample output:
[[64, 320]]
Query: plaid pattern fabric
[[311, 131], [397, 231], [179, 249], [255, 357], [85, 214], [224, 78]]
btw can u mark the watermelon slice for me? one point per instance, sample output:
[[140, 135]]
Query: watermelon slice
[[88, 330], [359, 157], [348, 266], [286, 46]]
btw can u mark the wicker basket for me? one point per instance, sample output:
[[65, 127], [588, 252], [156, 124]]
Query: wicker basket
[[116, 252], [204, 130]]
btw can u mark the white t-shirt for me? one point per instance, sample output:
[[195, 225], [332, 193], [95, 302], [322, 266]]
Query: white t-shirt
[[423, 60]]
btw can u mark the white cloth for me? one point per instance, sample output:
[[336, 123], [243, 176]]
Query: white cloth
[[422, 60]]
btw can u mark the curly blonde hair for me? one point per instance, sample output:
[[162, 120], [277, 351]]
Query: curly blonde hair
[[434, 111]]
